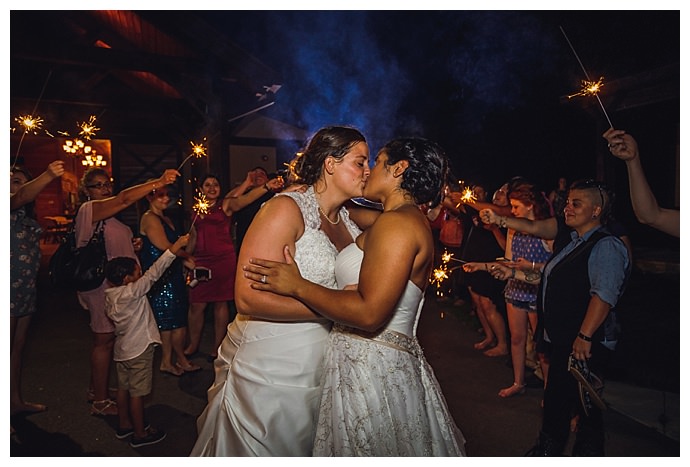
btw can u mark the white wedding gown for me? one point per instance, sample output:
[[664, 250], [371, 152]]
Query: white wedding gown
[[266, 392], [380, 397]]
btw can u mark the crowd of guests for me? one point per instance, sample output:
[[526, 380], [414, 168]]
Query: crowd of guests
[[543, 274]]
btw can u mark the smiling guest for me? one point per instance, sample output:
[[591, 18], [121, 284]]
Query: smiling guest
[[581, 283]]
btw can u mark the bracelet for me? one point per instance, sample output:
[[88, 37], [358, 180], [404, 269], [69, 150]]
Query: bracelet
[[267, 187], [502, 222], [583, 337], [512, 274], [486, 266]]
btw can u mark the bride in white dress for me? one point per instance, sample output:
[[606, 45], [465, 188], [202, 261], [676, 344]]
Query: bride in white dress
[[266, 392], [380, 396]]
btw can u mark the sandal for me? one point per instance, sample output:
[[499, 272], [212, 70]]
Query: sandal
[[514, 390], [104, 407], [91, 395]]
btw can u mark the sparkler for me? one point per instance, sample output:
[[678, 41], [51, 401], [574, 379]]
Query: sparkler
[[200, 207], [448, 257], [589, 87], [88, 129], [439, 275], [29, 122], [291, 168], [468, 196], [198, 151]]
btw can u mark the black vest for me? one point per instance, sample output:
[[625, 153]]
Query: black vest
[[567, 294]]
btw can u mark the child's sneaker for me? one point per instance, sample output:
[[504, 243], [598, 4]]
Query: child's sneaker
[[153, 436], [123, 433]]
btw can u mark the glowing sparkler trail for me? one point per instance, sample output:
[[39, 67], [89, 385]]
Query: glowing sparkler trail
[[468, 195], [589, 88], [88, 129], [198, 151], [35, 121], [439, 275], [448, 257], [200, 207], [593, 87]]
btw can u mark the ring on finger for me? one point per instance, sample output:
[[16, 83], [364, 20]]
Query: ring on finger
[[263, 278]]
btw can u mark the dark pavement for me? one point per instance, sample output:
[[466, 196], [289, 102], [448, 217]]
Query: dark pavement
[[56, 372]]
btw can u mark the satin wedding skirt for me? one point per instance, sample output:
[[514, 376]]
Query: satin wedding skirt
[[266, 390]]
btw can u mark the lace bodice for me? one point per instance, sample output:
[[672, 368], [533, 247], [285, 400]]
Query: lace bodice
[[314, 253]]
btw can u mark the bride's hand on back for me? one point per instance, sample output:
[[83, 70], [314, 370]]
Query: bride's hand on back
[[272, 276]]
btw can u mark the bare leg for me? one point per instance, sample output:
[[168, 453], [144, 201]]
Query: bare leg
[[136, 409], [123, 409], [177, 338], [195, 324], [167, 365], [221, 319], [101, 357], [19, 328], [488, 332], [497, 325], [517, 320]]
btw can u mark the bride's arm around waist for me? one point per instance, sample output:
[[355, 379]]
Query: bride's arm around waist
[[278, 223]]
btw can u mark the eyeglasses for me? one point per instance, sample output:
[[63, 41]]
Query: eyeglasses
[[100, 185], [162, 194]]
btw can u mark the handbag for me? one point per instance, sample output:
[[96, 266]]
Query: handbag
[[451, 231], [81, 268]]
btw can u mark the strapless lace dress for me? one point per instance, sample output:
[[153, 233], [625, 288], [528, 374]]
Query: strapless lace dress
[[380, 397]]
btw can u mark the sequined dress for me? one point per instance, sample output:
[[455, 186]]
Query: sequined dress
[[380, 396], [168, 296], [266, 392]]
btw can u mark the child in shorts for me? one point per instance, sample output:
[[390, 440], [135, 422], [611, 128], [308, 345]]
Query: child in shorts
[[136, 335]]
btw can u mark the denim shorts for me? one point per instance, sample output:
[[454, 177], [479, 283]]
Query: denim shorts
[[529, 306]]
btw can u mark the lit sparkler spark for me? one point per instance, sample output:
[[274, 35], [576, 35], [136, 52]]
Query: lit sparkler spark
[[201, 206], [291, 168], [439, 275], [88, 129], [468, 195], [593, 87], [448, 257], [30, 123], [589, 88], [198, 151]]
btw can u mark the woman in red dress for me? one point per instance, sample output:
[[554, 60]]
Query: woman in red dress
[[211, 244]]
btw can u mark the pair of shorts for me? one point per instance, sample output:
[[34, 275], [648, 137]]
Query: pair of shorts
[[529, 306], [136, 375]]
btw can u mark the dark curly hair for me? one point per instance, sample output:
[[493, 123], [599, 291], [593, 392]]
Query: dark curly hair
[[427, 171], [528, 195], [117, 268], [334, 141]]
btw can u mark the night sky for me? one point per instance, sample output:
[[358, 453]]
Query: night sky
[[487, 85]]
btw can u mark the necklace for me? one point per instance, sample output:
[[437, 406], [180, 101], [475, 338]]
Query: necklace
[[330, 221]]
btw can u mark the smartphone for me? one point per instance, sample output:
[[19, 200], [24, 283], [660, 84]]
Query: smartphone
[[201, 274], [198, 275]]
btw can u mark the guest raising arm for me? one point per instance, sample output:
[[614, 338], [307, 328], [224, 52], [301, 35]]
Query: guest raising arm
[[647, 210]]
